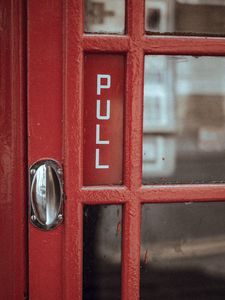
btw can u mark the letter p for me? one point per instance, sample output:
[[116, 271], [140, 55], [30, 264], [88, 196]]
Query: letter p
[[103, 84]]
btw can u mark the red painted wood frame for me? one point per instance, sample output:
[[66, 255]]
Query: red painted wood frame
[[56, 47], [13, 222]]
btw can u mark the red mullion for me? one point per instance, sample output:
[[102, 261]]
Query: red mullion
[[182, 193], [133, 151], [135, 19], [134, 94], [105, 43], [134, 119], [184, 45], [131, 250], [73, 168], [132, 175]]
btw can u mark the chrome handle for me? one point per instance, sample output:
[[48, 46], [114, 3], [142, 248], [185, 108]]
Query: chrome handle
[[46, 194]]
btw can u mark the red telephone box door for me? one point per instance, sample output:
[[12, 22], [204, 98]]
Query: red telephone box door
[[85, 111]]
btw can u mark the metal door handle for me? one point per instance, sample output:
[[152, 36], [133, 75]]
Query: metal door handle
[[46, 194]]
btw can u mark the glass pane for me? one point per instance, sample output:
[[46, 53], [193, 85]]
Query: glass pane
[[201, 17], [104, 16], [102, 252], [184, 120], [183, 251]]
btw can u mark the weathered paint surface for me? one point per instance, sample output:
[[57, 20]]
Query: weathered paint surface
[[63, 277], [13, 284], [45, 116]]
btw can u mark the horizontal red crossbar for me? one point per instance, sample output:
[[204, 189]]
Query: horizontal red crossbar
[[183, 45], [176, 45], [153, 194], [106, 43]]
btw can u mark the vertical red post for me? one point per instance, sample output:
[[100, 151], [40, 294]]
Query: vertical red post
[[13, 250], [45, 114]]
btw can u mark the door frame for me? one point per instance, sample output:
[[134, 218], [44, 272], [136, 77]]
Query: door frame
[[13, 152]]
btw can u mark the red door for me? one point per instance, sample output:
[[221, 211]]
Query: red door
[[85, 110]]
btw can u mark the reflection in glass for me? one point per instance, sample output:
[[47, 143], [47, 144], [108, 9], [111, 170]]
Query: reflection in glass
[[104, 16], [184, 120], [102, 252], [185, 16], [183, 251]]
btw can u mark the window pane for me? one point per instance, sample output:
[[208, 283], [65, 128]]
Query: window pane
[[183, 251], [104, 16], [186, 16], [184, 120], [102, 252]]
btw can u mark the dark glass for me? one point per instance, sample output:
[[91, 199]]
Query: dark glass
[[102, 252], [194, 17], [183, 251], [184, 120], [104, 16]]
